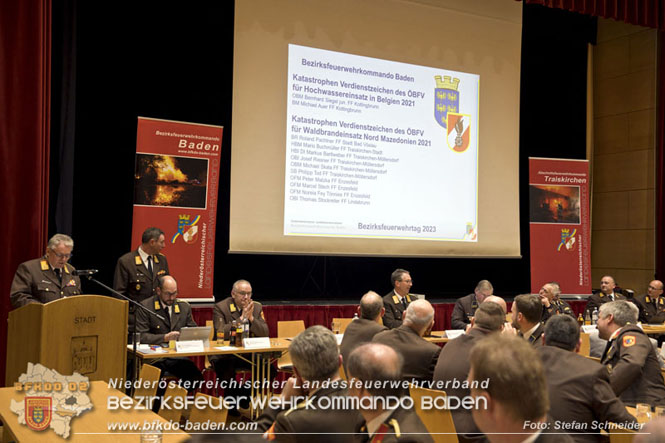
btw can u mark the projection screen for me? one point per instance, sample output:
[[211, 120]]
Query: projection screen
[[378, 127]]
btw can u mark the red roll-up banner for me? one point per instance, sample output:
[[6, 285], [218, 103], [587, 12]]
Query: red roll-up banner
[[175, 189], [560, 224]]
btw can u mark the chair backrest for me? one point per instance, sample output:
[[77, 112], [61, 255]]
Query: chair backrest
[[173, 414], [439, 422], [151, 375], [342, 374], [343, 323], [585, 348], [289, 329], [209, 414], [620, 435]]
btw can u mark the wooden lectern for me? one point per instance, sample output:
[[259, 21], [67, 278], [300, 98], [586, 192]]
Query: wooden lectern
[[85, 334]]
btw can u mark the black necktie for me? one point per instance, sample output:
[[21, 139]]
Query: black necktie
[[150, 264], [404, 302], [58, 272], [607, 349]]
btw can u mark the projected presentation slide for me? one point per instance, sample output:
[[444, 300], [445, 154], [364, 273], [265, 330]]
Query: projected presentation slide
[[380, 149]]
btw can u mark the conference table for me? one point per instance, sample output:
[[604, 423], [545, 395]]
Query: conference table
[[91, 425], [260, 358]]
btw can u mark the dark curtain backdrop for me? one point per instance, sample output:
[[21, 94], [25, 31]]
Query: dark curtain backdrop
[[175, 61], [649, 13], [25, 32]]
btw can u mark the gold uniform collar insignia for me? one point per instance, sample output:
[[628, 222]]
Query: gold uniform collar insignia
[[232, 307], [408, 298], [176, 308], [44, 265], [157, 306], [395, 425], [155, 259], [395, 299], [66, 269], [137, 260]]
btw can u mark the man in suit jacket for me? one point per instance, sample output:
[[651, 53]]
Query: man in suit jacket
[[527, 311], [137, 272], [465, 307], [397, 300], [606, 294], [373, 363], [419, 355], [365, 327], [154, 330], [48, 278], [635, 371], [510, 391], [652, 304], [314, 405], [579, 388], [453, 365], [549, 296], [238, 307]]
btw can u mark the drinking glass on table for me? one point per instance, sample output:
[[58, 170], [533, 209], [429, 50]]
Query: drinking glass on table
[[643, 414], [660, 411]]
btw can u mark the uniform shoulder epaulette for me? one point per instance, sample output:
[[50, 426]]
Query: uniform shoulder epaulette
[[300, 405]]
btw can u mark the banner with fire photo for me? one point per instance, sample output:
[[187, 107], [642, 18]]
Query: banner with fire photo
[[559, 224], [175, 189]]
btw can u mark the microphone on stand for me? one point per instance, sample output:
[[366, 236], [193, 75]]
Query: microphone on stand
[[84, 272]]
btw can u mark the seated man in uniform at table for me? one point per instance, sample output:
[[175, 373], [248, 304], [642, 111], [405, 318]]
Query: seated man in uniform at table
[[419, 355], [579, 387], [510, 391], [238, 307], [365, 327], [397, 300], [652, 304], [136, 272], [605, 295], [321, 412], [549, 296], [373, 368], [465, 307], [634, 369], [47, 278], [453, 364], [177, 314]]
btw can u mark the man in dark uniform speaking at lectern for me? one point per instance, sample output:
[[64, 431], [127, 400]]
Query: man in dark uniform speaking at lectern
[[47, 278], [137, 272]]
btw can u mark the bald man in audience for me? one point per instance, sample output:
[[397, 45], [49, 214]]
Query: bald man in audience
[[634, 368], [465, 307], [453, 364], [579, 388], [549, 296], [365, 327], [419, 355], [652, 304], [499, 301], [371, 364], [512, 404], [320, 414], [397, 300], [605, 295], [527, 311]]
